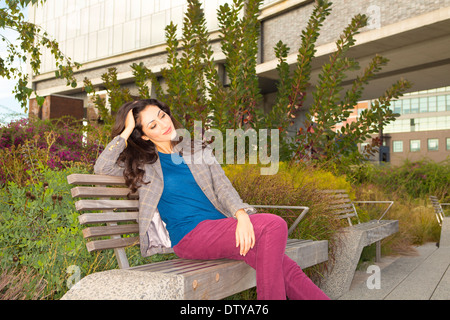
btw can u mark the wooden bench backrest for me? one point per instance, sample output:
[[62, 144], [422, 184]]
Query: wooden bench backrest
[[341, 205], [105, 201], [437, 209]]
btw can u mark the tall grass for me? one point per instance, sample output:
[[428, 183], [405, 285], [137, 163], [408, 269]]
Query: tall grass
[[414, 180], [409, 186]]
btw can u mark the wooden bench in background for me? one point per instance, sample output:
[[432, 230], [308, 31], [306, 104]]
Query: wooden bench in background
[[353, 239], [103, 200]]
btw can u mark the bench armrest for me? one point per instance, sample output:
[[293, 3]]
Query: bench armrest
[[296, 222], [389, 207]]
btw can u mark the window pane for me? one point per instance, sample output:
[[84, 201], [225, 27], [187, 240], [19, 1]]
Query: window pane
[[414, 145], [448, 143], [431, 104], [397, 146], [398, 106], [433, 144], [441, 103], [414, 105], [423, 107], [406, 106]]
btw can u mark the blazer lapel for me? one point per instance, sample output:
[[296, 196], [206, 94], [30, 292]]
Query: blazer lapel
[[157, 167]]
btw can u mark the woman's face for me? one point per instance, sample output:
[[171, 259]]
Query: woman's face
[[156, 125]]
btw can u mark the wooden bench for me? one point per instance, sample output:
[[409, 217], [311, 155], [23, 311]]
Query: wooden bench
[[103, 200], [352, 240], [437, 206], [444, 222]]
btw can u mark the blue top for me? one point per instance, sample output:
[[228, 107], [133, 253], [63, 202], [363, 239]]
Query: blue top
[[183, 204]]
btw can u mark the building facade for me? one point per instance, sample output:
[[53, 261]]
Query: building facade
[[413, 34]]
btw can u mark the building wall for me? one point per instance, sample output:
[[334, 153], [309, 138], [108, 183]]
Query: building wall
[[427, 148], [287, 26]]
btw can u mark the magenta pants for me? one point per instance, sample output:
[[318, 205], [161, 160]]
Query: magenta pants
[[277, 276]]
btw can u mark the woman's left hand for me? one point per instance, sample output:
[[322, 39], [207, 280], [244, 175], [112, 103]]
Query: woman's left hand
[[245, 235]]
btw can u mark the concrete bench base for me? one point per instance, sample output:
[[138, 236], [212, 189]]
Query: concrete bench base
[[351, 242], [444, 241]]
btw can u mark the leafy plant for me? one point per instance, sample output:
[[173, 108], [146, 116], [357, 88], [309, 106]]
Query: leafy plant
[[117, 96], [318, 139], [28, 144], [413, 180]]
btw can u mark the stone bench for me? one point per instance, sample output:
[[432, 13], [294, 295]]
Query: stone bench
[[352, 239]]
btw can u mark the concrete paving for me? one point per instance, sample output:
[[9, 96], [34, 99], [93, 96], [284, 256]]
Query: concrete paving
[[424, 276]]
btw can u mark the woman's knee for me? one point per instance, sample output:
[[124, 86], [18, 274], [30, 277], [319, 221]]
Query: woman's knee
[[270, 222]]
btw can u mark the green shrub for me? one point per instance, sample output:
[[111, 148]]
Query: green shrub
[[411, 179], [39, 230], [27, 143]]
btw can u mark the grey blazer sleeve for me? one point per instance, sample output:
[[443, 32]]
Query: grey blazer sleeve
[[225, 192], [107, 161]]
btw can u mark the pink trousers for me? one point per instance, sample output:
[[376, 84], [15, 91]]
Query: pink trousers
[[277, 276]]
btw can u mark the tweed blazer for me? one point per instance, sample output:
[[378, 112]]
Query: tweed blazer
[[207, 172]]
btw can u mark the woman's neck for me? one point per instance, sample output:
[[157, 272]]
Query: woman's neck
[[165, 148]]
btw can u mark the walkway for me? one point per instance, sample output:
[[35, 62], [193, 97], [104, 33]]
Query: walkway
[[425, 276]]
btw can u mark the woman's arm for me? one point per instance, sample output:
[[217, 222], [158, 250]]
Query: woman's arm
[[107, 161]]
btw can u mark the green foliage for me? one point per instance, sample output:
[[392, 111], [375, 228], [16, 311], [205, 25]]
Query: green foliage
[[28, 144], [31, 42], [39, 229], [318, 139], [117, 95], [411, 179], [239, 41], [291, 92]]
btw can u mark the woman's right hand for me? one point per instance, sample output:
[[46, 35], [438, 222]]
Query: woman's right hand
[[129, 125]]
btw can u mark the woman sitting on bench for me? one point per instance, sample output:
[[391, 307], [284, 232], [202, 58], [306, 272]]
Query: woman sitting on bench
[[191, 208]]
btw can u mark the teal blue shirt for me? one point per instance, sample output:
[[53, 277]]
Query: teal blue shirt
[[183, 204]]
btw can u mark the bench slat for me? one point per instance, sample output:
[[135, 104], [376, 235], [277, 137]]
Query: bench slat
[[94, 192], [95, 179], [108, 205], [339, 207], [349, 211], [102, 231], [108, 217], [112, 243]]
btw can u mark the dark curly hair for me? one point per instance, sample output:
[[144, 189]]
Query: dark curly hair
[[138, 151]]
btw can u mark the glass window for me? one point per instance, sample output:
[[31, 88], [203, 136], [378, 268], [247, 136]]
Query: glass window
[[406, 106], [414, 105], [397, 146], [423, 105], [433, 144], [448, 143], [431, 104], [441, 103], [448, 102], [414, 145], [398, 106]]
